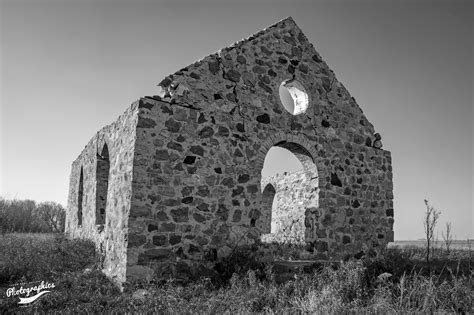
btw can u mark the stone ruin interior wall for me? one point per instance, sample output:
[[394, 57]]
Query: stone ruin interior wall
[[288, 204], [202, 141], [111, 191]]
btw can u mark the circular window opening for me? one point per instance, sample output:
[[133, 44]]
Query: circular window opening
[[293, 96]]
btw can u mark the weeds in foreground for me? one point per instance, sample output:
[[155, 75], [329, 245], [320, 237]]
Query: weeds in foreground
[[396, 283], [34, 258]]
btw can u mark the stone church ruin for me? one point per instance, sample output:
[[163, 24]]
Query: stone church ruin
[[175, 183]]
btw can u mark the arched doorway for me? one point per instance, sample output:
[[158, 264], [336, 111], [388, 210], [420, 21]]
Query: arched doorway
[[289, 192]]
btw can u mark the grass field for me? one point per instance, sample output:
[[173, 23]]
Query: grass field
[[399, 282], [456, 244]]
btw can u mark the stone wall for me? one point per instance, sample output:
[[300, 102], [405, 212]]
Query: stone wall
[[288, 207], [185, 165], [202, 141], [289, 212], [191, 202], [110, 235]]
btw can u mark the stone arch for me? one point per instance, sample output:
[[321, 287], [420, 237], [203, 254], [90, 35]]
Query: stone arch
[[299, 143], [102, 185], [293, 221]]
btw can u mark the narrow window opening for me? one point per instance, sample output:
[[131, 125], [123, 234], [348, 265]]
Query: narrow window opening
[[80, 194], [267, 201], [102, 180]]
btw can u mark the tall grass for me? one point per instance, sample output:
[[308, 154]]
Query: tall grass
[[399, 282], [31, 257]]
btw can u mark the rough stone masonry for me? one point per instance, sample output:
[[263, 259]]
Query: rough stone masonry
[[175, 182]]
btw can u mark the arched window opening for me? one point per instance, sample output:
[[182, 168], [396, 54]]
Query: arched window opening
[[267, 203], [102, 186], [293, 97], [289, 188], [80, 195]]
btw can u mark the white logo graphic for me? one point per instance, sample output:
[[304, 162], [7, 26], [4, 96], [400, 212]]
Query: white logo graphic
[[11, 292]]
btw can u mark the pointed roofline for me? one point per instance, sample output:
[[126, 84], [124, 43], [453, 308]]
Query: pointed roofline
[[235, 45], [257, 34]]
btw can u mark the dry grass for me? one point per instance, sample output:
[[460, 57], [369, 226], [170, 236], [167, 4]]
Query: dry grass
[[398, 283], [28, 236], [32, 256], [456, 244]]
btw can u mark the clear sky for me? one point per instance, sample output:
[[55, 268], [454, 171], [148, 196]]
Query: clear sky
[[70, 67]]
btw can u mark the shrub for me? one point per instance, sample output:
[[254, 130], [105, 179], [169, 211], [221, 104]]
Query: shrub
[[241, 259]]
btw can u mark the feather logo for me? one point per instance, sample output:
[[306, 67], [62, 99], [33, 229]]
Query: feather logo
[[32, 298]]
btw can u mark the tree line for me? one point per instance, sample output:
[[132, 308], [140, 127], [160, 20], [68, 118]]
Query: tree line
[[28, 216]]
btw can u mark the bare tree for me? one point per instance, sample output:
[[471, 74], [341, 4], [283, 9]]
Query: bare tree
[[448, 237], [17, 215], [431, 218], [53, 214]]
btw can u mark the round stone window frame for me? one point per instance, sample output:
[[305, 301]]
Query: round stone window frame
[[295, 89]]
